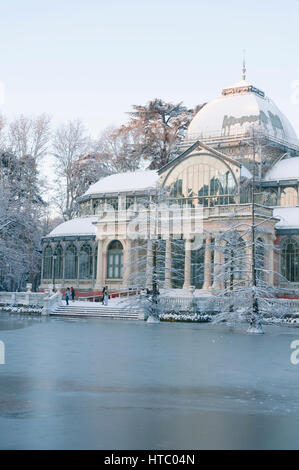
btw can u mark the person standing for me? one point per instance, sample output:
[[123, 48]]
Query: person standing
[[103, 295], [73, 293], [67, 295], [106, 296]]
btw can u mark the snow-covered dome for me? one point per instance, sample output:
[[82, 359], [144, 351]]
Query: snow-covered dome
[[285, 169], [79, 226], [238, 108], [129, 181]]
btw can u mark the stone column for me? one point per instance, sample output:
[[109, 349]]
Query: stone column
[[187, 276], [167, 283], [127, 264], [99, 279], [149, 264], [217, 265], [207, 263]]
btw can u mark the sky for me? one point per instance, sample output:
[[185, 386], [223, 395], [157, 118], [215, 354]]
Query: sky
[[93, 59]]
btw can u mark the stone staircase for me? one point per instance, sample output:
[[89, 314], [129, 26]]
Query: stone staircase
[[97, 310]]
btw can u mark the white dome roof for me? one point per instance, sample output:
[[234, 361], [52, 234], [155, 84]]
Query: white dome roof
[[285, 169], [129, 181], [238, 108], [79, 226]]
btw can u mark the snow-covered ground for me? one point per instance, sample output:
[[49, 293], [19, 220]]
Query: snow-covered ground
[[184, 293], [175, 314]]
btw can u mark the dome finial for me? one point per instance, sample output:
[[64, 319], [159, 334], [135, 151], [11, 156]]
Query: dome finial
[[244, 67]]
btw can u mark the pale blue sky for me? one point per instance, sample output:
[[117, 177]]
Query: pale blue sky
[[93, 59]]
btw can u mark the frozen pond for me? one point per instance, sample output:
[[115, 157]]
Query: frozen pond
[[107, 384]]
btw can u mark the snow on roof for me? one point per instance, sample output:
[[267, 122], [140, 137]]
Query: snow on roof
[[79, 226], [285, 169], [241, 83], [289, 217], [129, 181], [234, 114]]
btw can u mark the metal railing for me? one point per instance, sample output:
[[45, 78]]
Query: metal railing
[[219, 136], [115, 294]]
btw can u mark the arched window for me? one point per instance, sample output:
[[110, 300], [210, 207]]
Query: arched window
[[47, 270], [267, 197], [71, 262], [206, 180], [289, 197], [290, 261], [197, 267], [58, 262], [114, 260], [260, 259], [85, 262]]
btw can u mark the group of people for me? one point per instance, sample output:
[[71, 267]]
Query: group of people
[[69, 293]]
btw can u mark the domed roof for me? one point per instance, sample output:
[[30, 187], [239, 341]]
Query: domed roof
[[238, 108], [128, 181], [284, 169]]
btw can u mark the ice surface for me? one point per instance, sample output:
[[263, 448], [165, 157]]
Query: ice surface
[[101, 384]]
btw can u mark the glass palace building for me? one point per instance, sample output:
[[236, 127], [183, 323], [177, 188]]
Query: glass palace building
[[240, 132]]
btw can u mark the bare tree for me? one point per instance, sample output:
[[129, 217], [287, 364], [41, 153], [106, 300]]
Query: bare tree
[[240, 296], [87, 169], [20, 235], [2, 136], [69, 143], [120, 149], [29, 136]]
